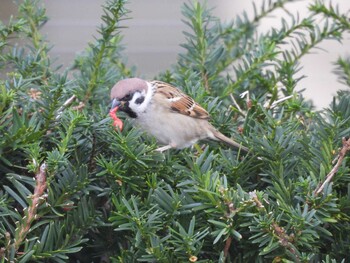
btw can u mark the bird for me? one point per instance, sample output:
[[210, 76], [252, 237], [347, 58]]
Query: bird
[[165, 112]]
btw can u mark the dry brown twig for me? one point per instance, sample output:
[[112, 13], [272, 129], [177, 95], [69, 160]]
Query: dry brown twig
[[227, 246], [31, 214], [231, 209], [341, 156], [284, 239]]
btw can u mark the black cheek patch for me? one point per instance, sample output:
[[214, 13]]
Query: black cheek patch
[[140, 100], [128, 111]]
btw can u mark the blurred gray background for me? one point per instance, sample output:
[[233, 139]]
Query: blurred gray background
[[154, 32]]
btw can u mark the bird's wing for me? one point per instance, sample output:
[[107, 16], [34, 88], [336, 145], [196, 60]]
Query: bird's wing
[[178, 101]]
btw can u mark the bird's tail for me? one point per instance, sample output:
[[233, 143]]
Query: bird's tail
[[218, 135]]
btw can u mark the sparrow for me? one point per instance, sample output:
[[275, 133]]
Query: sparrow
[[165, 112]]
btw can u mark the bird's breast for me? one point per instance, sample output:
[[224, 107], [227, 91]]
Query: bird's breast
[[172, 128]]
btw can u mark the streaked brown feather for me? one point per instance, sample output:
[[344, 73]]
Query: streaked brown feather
[[179, 101]]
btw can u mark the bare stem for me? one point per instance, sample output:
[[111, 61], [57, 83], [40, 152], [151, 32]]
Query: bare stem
[[341, 156], [275, 103], [285, 240], [65, 105], [31, 213], [231, 209], [227, 246], [237, 106]]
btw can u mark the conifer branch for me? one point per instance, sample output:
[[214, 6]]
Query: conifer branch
[[35, 18], [114, 12], [148, 198], [341, 156]]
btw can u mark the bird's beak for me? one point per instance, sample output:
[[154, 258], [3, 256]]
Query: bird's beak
[[115, 103]]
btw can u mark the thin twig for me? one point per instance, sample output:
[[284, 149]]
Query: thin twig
[[341, 156], [2, 252], [65, 105], [275, 103], [31, 214], [227, 246], [79, 107], [231, 210], [206, 81], [248, 101], [285, 240], [237, 106], [256, 200], [92, 160]]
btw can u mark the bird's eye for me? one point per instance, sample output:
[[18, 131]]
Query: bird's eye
[[127, 97], [140, 100]]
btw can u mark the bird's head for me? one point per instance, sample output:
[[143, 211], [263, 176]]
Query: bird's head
[[131, 96]]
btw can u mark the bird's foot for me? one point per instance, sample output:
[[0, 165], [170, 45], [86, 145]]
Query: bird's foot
[[164, 148]]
